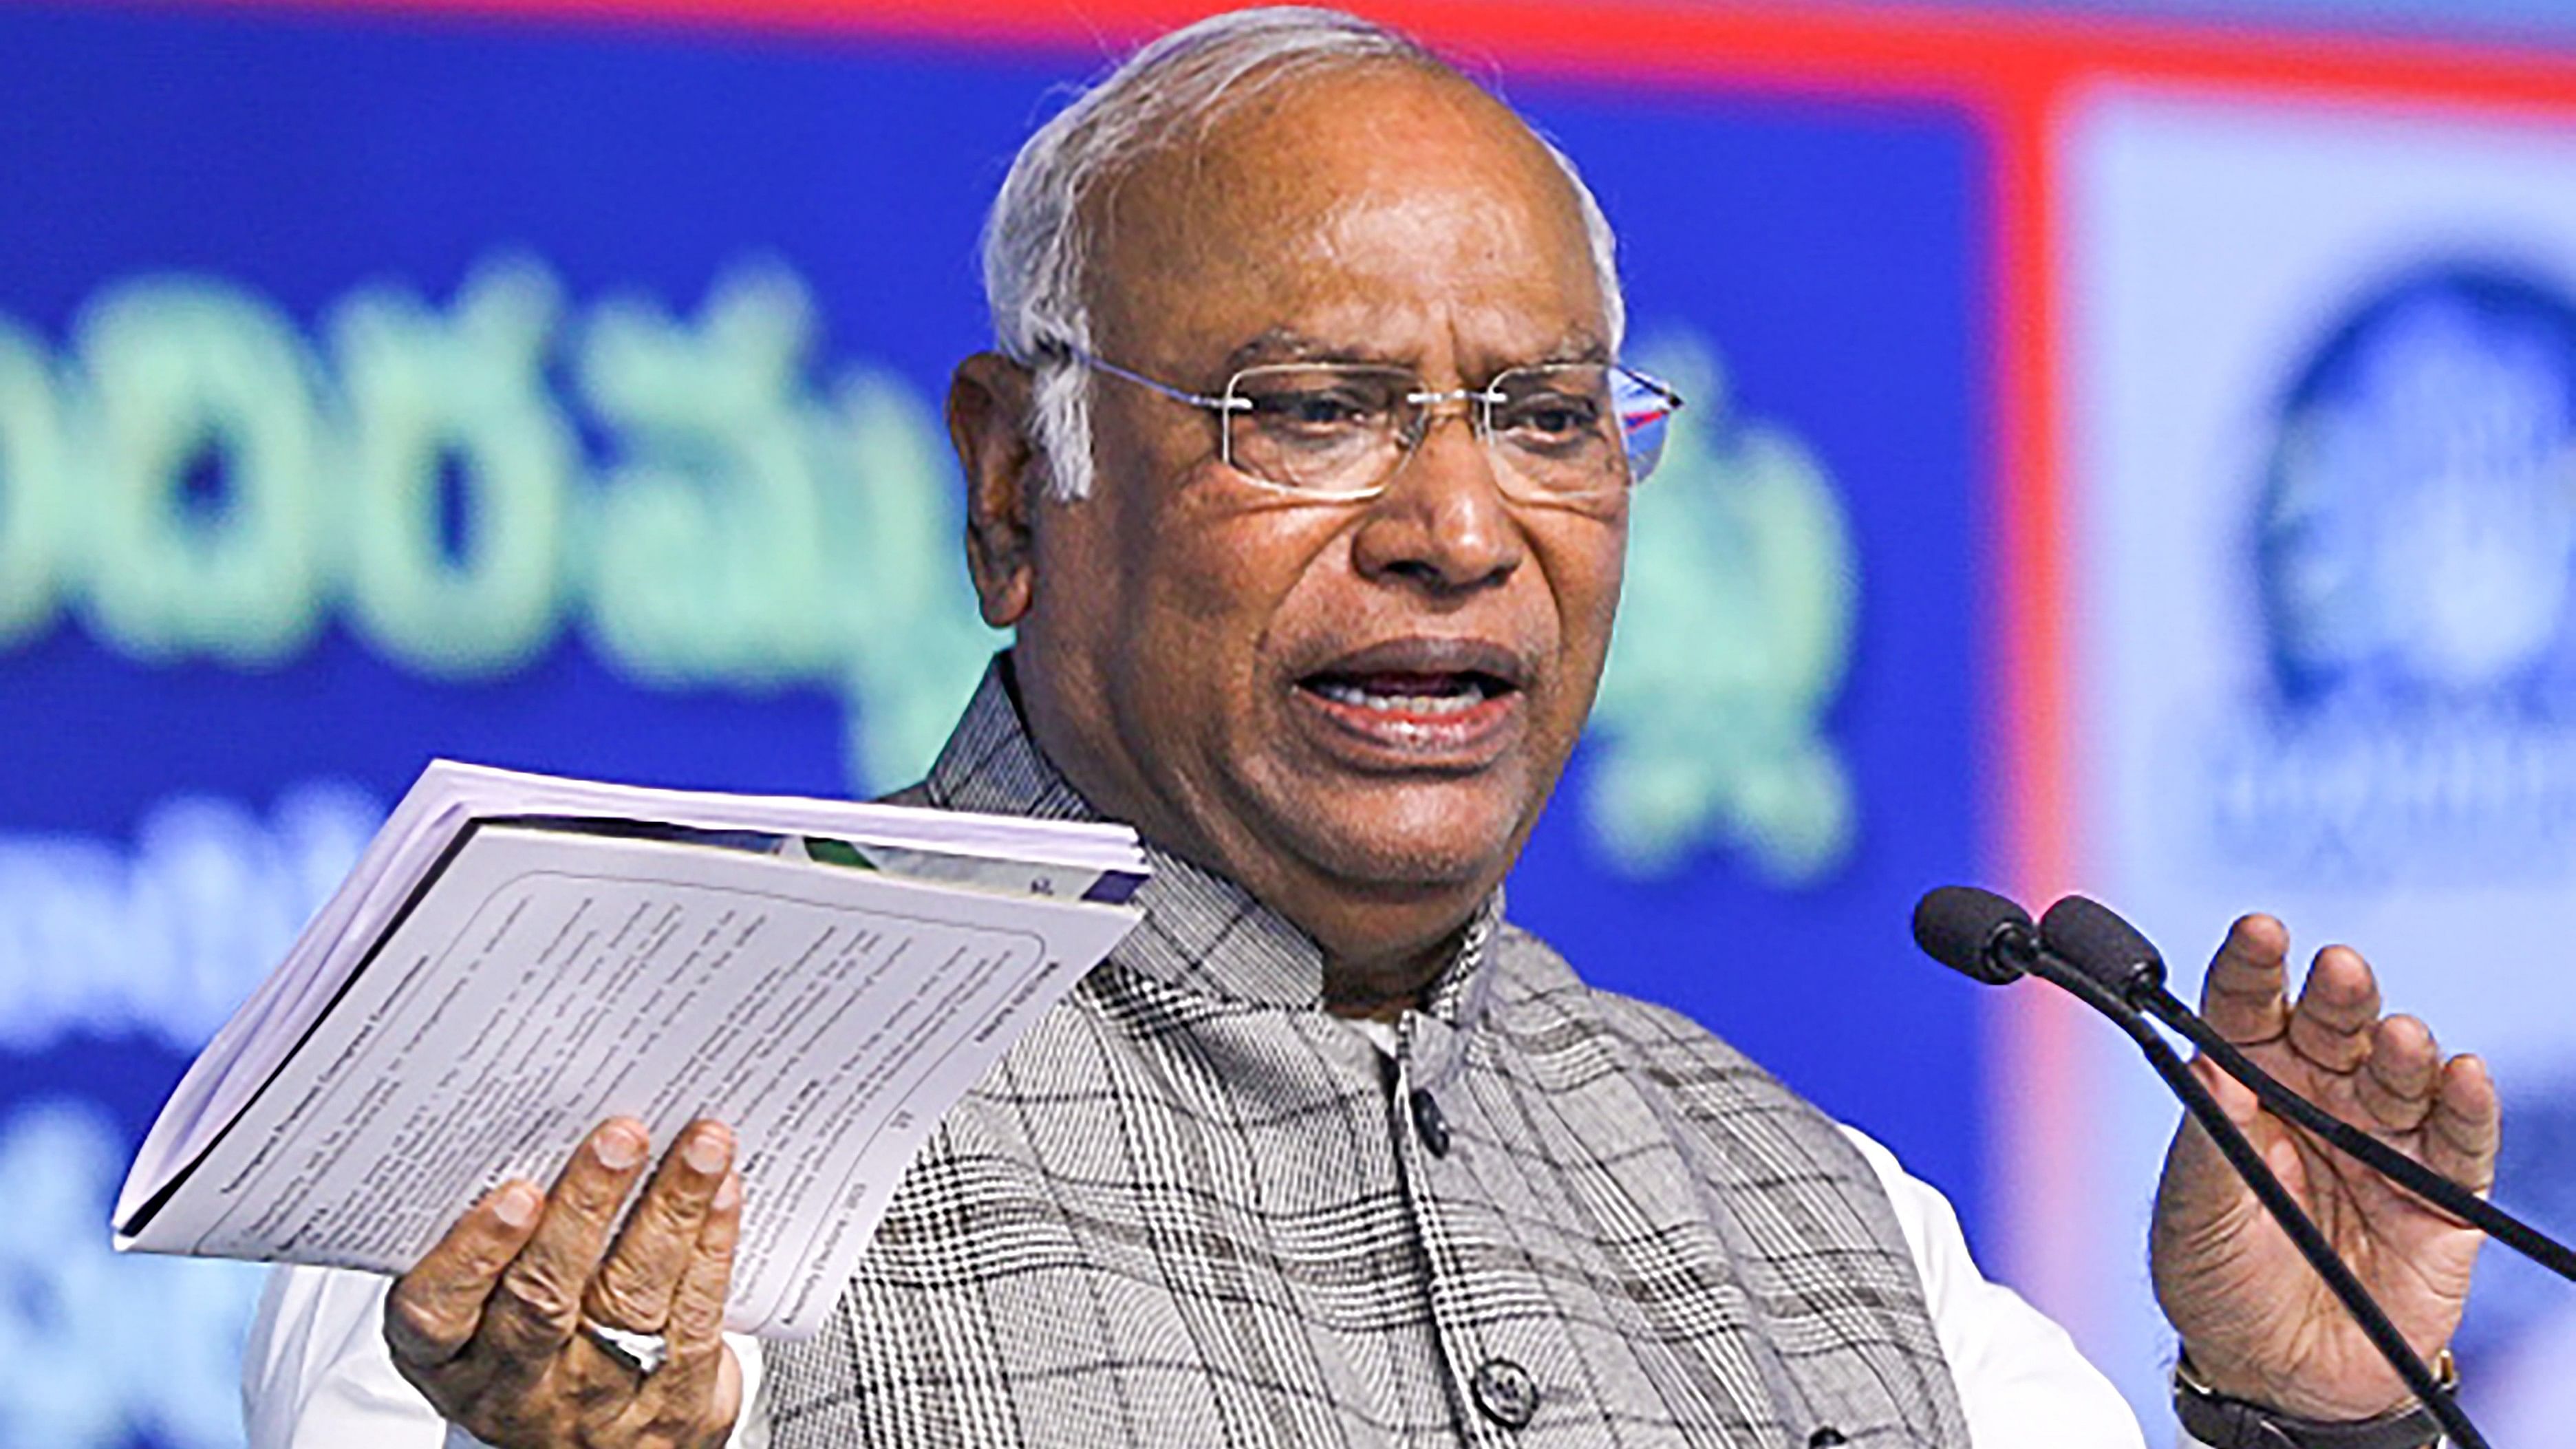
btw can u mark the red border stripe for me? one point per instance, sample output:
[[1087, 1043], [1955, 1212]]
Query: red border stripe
[[1957, 52]]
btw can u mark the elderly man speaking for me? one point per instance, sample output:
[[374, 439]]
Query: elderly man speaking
[[1301, 473]]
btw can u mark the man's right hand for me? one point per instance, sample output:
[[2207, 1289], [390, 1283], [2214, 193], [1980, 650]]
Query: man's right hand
[[488, 1325]]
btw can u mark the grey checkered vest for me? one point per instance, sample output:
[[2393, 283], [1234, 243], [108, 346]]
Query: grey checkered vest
[[1192, 1208]]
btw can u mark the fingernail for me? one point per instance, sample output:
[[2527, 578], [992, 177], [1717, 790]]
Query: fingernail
[[619, 1148], [516, 1205], [729, 1193], [707, 1150]]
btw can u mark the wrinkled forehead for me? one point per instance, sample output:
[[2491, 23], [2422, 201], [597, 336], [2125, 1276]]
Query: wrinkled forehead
[[1384, 203]]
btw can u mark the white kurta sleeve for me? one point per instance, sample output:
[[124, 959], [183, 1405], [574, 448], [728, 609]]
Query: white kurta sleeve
[[2021, 1380], [316, 1373]]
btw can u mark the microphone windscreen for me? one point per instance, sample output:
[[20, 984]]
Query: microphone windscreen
[[1962, 926], [2091, 937]]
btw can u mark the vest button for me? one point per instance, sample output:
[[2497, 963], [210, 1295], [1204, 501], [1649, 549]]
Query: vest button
[[1505, 1392], [1826, 1438], [1429, 1124]]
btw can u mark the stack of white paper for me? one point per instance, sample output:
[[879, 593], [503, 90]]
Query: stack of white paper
[[516, 957]]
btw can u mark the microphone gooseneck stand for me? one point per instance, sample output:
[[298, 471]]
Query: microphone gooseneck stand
[[1990, 938], [2276, 1199]]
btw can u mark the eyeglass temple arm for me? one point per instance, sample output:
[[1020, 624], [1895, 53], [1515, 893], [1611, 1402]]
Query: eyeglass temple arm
[[1662, 390], [1194, 399]]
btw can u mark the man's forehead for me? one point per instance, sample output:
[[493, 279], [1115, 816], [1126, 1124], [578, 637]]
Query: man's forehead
[[1315, 215]]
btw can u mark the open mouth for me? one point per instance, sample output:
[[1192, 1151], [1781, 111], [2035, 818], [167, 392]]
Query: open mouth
[[1419, 697]]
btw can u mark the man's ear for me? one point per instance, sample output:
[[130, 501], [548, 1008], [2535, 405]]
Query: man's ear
[[988, 422]]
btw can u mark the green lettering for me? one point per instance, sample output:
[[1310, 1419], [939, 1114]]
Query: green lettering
[[709, 557], [422, 388], [184, 371]]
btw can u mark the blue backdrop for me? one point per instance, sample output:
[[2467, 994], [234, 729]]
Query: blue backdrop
[[564, 397]]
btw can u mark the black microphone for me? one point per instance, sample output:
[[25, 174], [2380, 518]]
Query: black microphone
[[2095, 940], [2092, 937], [1976, 932], [2102, 983]]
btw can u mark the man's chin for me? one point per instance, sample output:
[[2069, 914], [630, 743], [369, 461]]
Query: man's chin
[[1389, 848]]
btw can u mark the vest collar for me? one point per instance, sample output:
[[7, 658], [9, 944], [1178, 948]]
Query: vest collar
[[1202, 932]]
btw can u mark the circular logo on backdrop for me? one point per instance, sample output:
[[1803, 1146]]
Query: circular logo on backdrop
[[2418, 532], [2415, 544]]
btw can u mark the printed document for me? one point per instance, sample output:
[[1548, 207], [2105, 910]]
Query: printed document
[[544, 974]]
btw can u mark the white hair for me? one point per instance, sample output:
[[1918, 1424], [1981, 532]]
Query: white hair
[[1036, 255]]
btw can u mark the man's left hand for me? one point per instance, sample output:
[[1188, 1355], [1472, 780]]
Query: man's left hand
[[2256, 1321]]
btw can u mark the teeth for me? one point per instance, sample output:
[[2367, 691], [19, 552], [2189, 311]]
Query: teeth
[[1340, 693], [1433, 705]]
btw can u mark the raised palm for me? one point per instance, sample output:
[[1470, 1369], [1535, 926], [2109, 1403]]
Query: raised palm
[[2256, 1321]]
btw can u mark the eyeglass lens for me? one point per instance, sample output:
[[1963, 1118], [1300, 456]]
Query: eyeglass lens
[[1558, 429]]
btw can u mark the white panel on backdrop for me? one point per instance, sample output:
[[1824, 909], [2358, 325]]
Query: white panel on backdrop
[[2323, 476]]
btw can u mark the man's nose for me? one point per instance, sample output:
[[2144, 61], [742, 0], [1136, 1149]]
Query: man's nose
[[1442, 523]]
